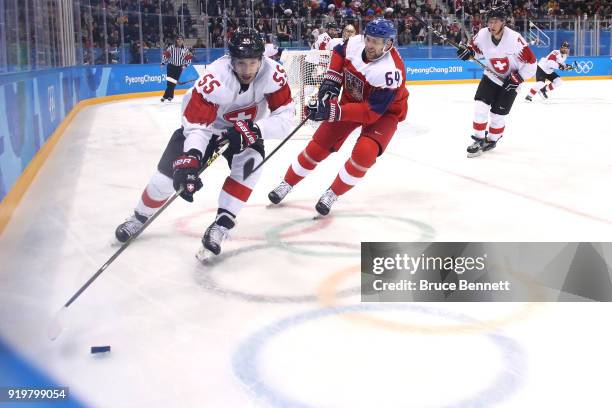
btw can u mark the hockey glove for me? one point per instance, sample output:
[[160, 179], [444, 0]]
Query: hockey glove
[[242, 135], [330, 88], [512, 82], [330, 112], [311, 109], [566, 67], [465, 53], [186, 168]]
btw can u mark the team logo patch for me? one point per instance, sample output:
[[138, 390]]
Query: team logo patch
[[501, 65], [249, 113], [354, 85]]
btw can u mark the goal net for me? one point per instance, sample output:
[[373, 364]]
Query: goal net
[[305, 70]]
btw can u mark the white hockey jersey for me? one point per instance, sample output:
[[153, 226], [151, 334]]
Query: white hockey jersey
[[369, 88], [512, 54], [333, 42], [552, 61], [322, 42], [215, 102]]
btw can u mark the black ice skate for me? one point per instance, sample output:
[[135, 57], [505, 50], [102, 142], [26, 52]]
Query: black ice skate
[[543, 92], [480, 146], [528, 98], [280, 192], [130, 227], [214, 236], [326, 201]]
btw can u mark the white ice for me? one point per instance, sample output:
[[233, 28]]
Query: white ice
[[254, 329]]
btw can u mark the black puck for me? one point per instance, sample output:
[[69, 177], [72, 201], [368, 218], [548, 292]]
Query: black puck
[[100, 349]]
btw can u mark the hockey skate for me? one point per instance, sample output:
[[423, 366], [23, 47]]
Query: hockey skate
[[130, 227], [480, 146], [543, 92], [326, 201], [213, 237], [528, 98], [280, 192]]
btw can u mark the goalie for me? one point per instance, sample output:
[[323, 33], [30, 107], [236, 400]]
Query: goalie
[[546, 72], [371, 73]]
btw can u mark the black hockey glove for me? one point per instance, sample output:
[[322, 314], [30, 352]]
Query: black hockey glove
[[512, 82], [242, 135], [186, 168], [330, 111], [330, 88], [566, 67], [465, 53]]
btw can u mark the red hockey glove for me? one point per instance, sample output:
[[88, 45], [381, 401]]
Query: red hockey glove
[[186, 168], [512, 82], [242, 135]]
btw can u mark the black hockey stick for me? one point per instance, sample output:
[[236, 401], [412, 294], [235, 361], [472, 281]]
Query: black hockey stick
[[56, 326], [454, 44], [249, 166], [186, 82]]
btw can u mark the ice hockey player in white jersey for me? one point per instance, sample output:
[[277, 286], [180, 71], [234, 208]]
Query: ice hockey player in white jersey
[[323, 40], [347, 32], [511, 61], [241, 99], [546, 71]]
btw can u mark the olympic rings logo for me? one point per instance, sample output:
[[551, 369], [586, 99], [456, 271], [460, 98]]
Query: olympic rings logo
[[583, 67]]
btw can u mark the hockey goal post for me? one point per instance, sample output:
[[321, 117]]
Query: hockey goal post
[[305, 70]]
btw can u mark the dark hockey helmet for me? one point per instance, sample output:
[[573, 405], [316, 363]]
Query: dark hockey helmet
[[565, 44], [246, 43], [332, 25], [497, 12]]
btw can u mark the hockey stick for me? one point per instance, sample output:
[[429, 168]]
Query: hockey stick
[[186, 82], [454, 44], [56, 326], [248, 166]]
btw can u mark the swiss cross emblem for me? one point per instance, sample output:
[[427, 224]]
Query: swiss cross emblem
[[500, 65], [241, 114]]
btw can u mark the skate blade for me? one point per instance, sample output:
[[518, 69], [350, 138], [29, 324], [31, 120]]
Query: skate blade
[[478, 153], [204, 255]]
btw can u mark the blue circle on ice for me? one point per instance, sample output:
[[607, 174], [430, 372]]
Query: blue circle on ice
[[501, 387]]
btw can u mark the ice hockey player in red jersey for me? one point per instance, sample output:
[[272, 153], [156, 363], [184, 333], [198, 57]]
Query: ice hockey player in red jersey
[[511, 61], [374, 97], [546, 71], [241, 98]]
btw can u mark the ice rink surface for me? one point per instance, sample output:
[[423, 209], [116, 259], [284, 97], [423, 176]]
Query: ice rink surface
[[276, 320]]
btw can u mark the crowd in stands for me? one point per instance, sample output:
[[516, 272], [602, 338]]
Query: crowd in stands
[[292, 21]]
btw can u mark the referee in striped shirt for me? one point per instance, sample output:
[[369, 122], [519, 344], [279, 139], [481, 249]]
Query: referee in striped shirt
[[177, 57]]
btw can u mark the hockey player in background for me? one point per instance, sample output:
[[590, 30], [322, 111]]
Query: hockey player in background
[[507, 54], [241, 98], [546, 71], [347, 32], [322, 42], [371, 74]]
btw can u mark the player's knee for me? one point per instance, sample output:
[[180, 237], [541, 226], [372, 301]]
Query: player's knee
[[557, 82], [365, 152], [316, 152]]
